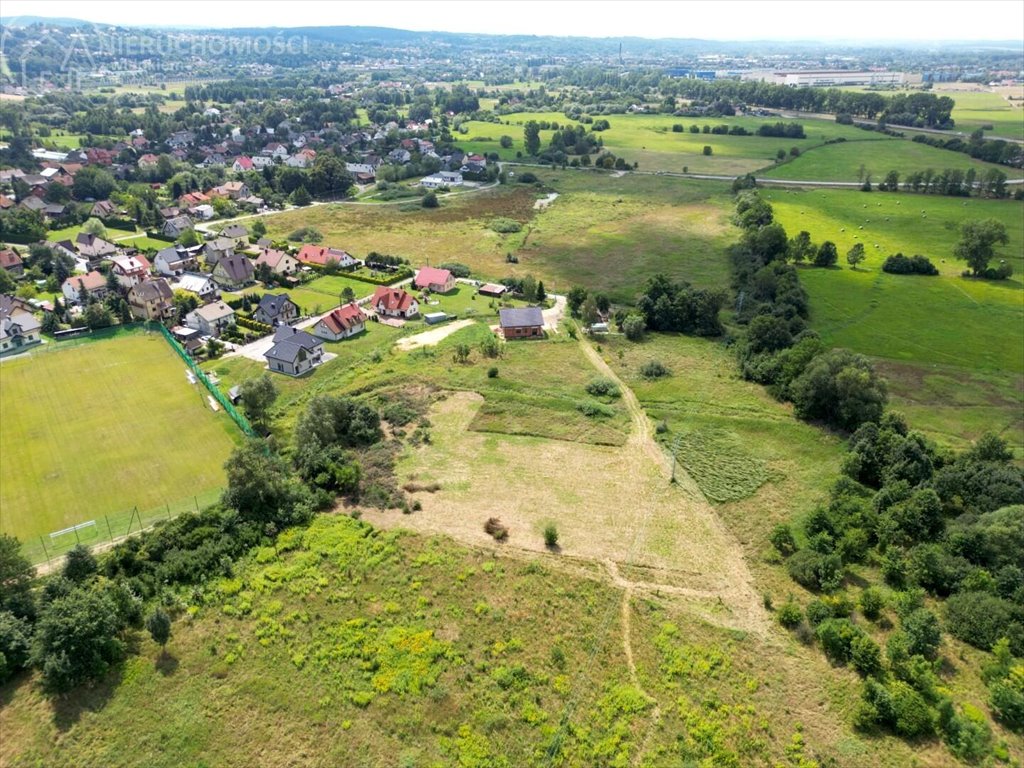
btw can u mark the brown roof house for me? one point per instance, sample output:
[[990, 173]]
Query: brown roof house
[[341, 323], [233, 272], [152, 300]]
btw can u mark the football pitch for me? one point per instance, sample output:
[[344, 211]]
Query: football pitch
[[92, 430]]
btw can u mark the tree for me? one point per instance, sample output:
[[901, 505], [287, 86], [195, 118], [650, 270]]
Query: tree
[[531, 137], [92, 182], [189, 238], [767, 333], [184, 302], [95, 227], [505, 142], [529, 288], [707, 150], [259, 228], [574, 299], [921, 628], [589, 311], [260, 486], [978, 239], [550, 536], [159, 626], [840, 388], [634, 326], [15, 644], [430, 200], [76, 640], [541, 294], [16, 574], [258, 395], [855, 255], [827, 255], [301, 197], [347, 295], [98, 316], [79, 564], [50, 323]]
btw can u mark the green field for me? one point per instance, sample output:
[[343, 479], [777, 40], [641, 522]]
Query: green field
[[97, 428], [650, 141], [930, 331], [325, 292], [977, 108], [843, 162]]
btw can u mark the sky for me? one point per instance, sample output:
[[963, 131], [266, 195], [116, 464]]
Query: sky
[[865, 20]]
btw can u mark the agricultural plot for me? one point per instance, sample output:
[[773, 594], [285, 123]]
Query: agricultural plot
[[100, 427], [975, 109], [843, 162], [325, 292]]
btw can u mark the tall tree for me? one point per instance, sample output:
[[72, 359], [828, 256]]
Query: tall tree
[[531, 137], [258, 395], [855, 255], [978, 239]]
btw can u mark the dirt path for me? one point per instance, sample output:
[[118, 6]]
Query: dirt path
[[433, 336]]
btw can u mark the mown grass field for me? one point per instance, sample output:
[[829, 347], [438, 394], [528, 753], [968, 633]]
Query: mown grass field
[[98, 428]]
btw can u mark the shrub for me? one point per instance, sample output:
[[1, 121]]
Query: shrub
[[923, 633], [429, 200], [782, 539], [707, 150], [653, 369], [898, 264], [492, 372], [866, 656], [505, 226], [550, 536], [634, 326], [790, 614], [1006, 697], [871, 603], [981, 619], [496, 529], [817, 612], [593, 408], [306, 235], [803, 568], [601, 386], [836, 637]]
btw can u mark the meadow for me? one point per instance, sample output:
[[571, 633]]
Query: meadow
[[977, 108], [927, 330], [99, 427], [609, 232], [844, 161]]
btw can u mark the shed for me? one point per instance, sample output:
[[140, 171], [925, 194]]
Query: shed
[[433, 318], [492, 289]]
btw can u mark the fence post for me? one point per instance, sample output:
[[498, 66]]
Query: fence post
[[44, 550], [110, 532], [168, 505], [77, 540], [196, 500]]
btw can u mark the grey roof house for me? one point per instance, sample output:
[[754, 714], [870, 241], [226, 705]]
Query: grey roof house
[[294, 352]]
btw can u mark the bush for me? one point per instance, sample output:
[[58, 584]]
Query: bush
[[981, 619], [1006, 697], [601, 386], [653, 369], [923, 633], [871, 603], [898, 264], [836, 637], [803, 568], [818, 611], [782, 539], [790, 614], [306, 235], [594, 408], [707, 150], [866, 656], [634, 326], [430, 200], [492, 372], [550, 536], [505, 226]]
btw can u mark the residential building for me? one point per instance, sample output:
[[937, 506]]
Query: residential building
[[233, 272], [394, 302], [130, 270], [93, 247], [341, 323], [211, 319], [10, 262], [151, 300], [321, 254], [199, 284], [177, 226], [217, 249], [92, 283], [18, 330], [434, 280], [521, 323], [279, 262], [177, 259], [276, 309], [294, 352]]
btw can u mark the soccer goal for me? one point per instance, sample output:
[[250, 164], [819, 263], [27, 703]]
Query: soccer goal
[[84, 533]]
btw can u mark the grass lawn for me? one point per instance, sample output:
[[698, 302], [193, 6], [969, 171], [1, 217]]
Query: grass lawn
[[325, 292], [99, 427], [842, 162], [141, 242]]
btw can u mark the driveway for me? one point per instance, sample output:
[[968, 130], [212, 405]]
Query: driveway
[[433, 336]]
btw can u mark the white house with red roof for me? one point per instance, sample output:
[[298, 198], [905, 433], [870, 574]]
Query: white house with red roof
[[93, 283], [394, 302], [148, 161], [341, 323], [321, 254], [130, 270], [434, 280], [242, 163]]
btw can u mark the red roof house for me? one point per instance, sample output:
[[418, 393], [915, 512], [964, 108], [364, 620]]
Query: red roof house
[[394, 302], [435, 280], [341, 323]]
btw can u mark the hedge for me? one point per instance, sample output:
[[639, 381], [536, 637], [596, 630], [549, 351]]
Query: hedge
[[401, 274], [252, 325]]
